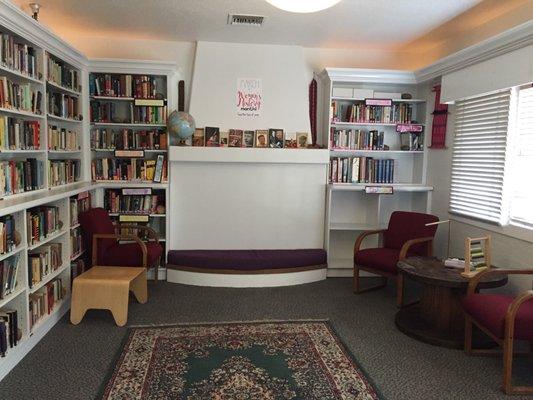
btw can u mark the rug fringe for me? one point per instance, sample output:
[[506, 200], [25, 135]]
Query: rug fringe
[[227, 322]]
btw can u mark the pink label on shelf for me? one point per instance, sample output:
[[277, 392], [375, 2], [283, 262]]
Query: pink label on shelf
[[378, 102], [409, 128]]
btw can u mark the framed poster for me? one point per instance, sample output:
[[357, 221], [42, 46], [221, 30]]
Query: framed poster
[[249, 99]]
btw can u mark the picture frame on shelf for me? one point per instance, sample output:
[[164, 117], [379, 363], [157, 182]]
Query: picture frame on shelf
[[198, 138], [276, 138], [212, 136], [290, 140], [235, 138], [302, 140], [224, 139], [261, 138], [248, 139]]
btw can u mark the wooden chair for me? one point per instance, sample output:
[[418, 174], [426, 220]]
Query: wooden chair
[[102, 239], [503, 318], [407, 235]]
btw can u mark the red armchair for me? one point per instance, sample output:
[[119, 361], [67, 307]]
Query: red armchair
[[407, 235], [102, 239], [503, 318]]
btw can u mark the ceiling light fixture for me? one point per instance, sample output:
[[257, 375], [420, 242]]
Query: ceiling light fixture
[[35, 8], [303, 6]]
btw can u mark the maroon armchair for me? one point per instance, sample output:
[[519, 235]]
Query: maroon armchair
[[407, 235], [102, 239], [503, 318]]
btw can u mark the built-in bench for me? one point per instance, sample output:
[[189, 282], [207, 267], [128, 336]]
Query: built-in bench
[[246, 268]]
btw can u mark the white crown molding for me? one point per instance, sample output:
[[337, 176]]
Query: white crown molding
[[132, 66], [14, 19], [513, 39], [368, 75]]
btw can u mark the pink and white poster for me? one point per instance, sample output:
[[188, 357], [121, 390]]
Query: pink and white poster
[[249, 97]]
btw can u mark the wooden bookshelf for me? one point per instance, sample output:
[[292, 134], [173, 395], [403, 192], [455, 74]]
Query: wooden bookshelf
[[350, 210]]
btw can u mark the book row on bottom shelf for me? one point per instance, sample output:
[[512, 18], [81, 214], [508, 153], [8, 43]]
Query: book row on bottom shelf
[[43, 302], [41, 222], [21, 176], [361, 170], [10, 333], [62, 172], [20, 96], [129, 169], [63, 139], [128, 139], [18, 56], [18, 134]]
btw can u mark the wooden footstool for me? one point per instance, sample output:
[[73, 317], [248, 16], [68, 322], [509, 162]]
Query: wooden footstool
[[107, 288]]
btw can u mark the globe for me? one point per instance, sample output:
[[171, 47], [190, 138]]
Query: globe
[[180, 126]]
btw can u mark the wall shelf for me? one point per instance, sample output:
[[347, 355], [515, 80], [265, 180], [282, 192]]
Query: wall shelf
[[63, 89], [15, 73], [20, 113]]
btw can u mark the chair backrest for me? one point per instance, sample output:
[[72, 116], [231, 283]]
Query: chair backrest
[[96, 221], [405, 225]]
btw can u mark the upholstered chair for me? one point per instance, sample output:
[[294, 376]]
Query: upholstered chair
[[103, 241], [407, 235]]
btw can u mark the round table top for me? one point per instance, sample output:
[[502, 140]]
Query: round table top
[[432, 271]]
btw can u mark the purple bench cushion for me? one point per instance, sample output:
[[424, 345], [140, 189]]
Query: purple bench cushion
[[247, 260]]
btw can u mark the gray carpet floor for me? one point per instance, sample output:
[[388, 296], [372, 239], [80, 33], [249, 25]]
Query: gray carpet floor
[[72, 362]]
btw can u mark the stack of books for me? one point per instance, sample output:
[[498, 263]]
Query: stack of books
[[111, 85], [63, 75], [43, 261], [62, 105], [361, 170], [128, 139], [62, 139], [17, 134], [21, 176], [356, 139], [42, 303], [41, 222], [18, 96], [18, 56], [62, 172]]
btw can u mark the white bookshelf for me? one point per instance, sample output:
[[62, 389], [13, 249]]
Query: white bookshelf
[[350, 210]]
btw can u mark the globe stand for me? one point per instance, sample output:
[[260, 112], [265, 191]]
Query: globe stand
[[183, 142]]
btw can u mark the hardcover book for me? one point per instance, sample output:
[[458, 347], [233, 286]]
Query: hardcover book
[[235, 138], [276, 138], [212, 136], [261, 138], [248, 139], [224, 138]]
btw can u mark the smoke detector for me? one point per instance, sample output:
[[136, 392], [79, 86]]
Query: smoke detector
[[245, 20]]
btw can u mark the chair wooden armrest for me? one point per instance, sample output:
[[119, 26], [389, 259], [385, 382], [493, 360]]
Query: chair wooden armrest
[[407, 245], [515, 305], [472, 285], [134, 238], [363, 235], [152, 234]]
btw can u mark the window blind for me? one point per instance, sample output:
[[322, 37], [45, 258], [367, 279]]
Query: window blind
[[521, 208], [478, 163]]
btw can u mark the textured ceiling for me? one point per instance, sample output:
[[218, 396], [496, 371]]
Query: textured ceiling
[[377, 24]]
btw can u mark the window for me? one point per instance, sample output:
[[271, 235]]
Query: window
[[521, 189], [478, 164]]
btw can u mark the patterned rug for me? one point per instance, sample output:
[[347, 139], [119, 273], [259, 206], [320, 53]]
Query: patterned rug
[[255, 360]]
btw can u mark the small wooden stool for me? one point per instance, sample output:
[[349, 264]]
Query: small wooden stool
[[107, 288]]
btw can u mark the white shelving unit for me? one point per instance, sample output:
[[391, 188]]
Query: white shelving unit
[[350, 210]]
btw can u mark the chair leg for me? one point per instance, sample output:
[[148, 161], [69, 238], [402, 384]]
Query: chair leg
[[356, 282], [399, 290], [507, 364], [468, 335]]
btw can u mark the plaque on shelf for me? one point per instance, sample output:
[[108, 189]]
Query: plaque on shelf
[[133, 218], [129, 153], [379, 190], [378, 102], [403, 128]]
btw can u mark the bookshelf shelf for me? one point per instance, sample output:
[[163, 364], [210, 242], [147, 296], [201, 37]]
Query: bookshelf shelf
[[415, 101], [15, 73], [344, 125], [20, 113], [20, 151], [141, 214], [398, 187], [63, 89], [145, 150], [60, 152], [16, 250], [347, 226], [63, 119], [124, 183], [344, 152], [21, 195], [42, 321], [128, 125], [74, 257], [112, 98], [46, 279], [49, 238], [11, 296], [74, 226]]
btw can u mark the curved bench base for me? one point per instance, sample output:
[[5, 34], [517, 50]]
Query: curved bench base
[[236, 279]]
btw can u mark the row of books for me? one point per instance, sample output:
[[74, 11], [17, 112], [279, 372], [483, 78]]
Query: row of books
[[43, 302], [63, 139], [21, 176], [7, 234], [76, 241], [63, 75], [18, 56], [357, 139], [77, 267], [18, 96], [63, 105], [62, 172], [18, 134], [43, 261], [41, 222], [273, 138], [116, 202], [79, 204], [359, 112], [138, 86], [8, 275], [129, 169], [128, 139], [361, 170], [108, 112], [9, 330]]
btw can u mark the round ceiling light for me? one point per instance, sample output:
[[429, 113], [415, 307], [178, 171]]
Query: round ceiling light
[[303, 6]]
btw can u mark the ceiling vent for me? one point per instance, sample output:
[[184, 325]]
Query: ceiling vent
[[245, 20]]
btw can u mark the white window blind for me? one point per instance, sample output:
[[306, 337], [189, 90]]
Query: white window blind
[[479, 151], [521, 203]]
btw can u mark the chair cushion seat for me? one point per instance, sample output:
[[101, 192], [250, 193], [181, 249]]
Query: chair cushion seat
[[383, 259], [247, 260], [130, 254], [489, 311]]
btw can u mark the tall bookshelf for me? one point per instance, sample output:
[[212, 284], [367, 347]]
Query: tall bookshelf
[[129, 102], [376, 144]]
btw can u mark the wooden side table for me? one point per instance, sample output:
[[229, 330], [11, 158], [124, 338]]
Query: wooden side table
[[107, 288], [438, 317]]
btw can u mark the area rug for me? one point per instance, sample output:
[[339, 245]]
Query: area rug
[[249, 360]]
